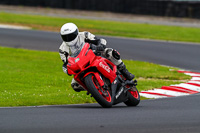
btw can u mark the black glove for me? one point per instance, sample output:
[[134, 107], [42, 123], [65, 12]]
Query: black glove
[[64, 67], [66, 54], [100, 47], [96, 41]]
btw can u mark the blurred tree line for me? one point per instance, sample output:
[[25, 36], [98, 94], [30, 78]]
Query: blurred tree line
[[171, 8]]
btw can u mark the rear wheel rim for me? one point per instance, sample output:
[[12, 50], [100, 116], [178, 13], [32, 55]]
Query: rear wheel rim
[[100, 89]]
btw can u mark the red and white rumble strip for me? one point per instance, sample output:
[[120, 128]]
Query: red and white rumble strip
[[191, 87]]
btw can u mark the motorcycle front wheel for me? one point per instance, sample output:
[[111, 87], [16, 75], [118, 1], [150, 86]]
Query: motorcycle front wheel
[[103, 97], [133, 97]]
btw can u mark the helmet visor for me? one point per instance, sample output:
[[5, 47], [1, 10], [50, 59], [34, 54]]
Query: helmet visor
[[70, 37]]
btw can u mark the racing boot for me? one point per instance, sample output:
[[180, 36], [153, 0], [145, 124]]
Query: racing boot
[[76, 86], [122, 68]]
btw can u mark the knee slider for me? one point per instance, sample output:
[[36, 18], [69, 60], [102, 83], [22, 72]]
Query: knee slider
[[115, 54], [77, 87]]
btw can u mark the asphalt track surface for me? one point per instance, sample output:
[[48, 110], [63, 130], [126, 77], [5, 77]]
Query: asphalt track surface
[[175, 115]]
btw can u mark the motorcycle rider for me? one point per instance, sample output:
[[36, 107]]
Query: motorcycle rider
[[73, 41]]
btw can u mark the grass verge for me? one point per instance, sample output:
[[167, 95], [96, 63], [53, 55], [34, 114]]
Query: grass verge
[[100, 27], [35, 78]]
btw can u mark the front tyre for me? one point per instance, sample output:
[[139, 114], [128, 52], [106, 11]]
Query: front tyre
[[133, 97], [103, 97]]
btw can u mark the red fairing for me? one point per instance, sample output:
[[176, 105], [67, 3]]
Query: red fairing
[[86, 60], [102, 66], [77, 64]]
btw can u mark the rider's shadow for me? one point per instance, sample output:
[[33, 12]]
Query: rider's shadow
[[93, 106]]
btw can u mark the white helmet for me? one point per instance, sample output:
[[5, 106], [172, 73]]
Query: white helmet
[[69, 33]]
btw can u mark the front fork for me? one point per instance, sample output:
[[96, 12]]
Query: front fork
[[97, 76], [102, 84]]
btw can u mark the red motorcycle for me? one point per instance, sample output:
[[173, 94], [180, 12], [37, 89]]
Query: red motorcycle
[[101, 79]]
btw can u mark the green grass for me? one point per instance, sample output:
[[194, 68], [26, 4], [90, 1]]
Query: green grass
[[30, 78], [100, 27]]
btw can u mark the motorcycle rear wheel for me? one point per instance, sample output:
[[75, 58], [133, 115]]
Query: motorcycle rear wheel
[[96, 91], [133, 97]]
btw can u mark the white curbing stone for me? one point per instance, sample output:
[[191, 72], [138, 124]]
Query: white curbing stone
[[192, 74], [196, 82], [6, 26], [195, 78], [151, 96]]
